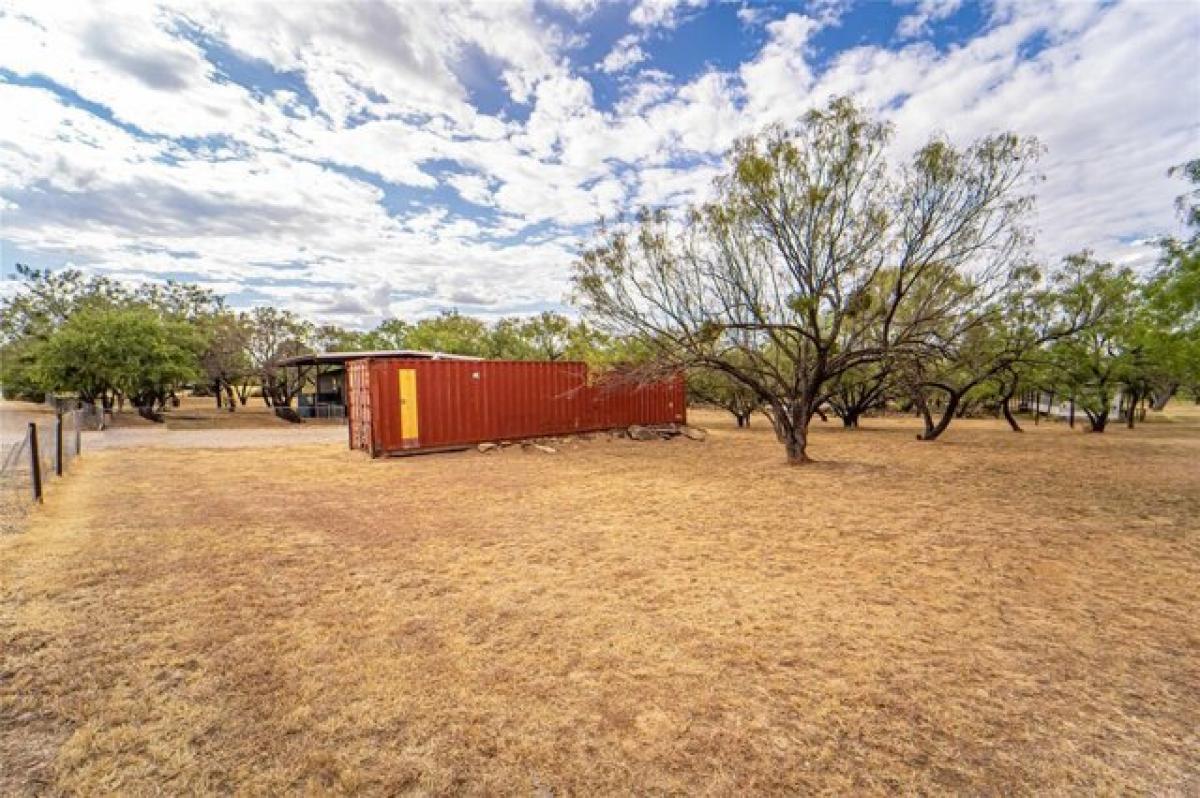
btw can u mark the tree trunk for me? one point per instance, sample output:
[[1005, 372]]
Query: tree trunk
[[791, 429], [850, 419], [1099, 421], [1071, 413], [229, 395], [217, 392], [1131, 409], [923, 407], [797, 445], [1008, 416], [932, 431], [1162, 396]]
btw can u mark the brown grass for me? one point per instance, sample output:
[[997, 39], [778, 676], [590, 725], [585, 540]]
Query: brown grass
[[989, 614], [200, 412]]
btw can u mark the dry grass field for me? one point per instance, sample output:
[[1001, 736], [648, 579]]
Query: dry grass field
[[200, 412], [988, 614]]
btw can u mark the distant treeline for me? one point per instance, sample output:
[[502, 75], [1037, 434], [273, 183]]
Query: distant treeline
[[108, 343]]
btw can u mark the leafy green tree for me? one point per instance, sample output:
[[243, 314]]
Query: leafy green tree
[[720, 390], [546, 336], [1173, 301], [815, 258], [859, 390], [41, 304], [273, 336], [390, 334], [1097, 361], [549, 335], [181, 301], [45, 299], [332, 338], [508, 340], [977, 350], [450, 332], [225, 361], [98, 353]]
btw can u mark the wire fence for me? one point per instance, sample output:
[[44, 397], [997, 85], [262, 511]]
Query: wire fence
[[45, 453]]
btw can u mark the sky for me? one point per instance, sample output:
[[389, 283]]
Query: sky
[[354, 161]]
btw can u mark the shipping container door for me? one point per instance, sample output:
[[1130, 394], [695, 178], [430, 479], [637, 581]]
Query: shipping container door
[[410, 411], [359, 390]]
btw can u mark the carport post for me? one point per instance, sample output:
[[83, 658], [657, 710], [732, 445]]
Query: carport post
[[58, 450]]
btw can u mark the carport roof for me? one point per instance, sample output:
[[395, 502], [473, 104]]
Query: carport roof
[[325, 358]]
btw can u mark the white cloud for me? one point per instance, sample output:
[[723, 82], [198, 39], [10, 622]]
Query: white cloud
[[778, 81], [751, 15], [624, 54], [472, 188], [927, 12], [661, 13], [264, 195]]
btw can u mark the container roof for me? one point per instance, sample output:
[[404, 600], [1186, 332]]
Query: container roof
[[325, 358]]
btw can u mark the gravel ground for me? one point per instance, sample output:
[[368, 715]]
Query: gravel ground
[[15, 418], [160, 437]]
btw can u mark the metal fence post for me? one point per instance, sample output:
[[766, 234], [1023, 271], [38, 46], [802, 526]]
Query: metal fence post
[[58, 446], [36, 462]]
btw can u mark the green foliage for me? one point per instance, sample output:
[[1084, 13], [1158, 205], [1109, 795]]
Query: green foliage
[[225, 361], [136, 352], [1173, 296], [46, 299], [546, 336], [817, 258], [450, 332], [718, 388], [390, 334], [1092, 364], [42, 303], [273, 336]]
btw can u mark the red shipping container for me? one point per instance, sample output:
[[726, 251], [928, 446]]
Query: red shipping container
[[400, 406]]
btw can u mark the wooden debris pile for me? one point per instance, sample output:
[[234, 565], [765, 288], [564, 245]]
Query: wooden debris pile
[[635, 432]]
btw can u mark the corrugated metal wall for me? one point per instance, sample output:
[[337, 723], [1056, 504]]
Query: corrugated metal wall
[[358, 393], [431, 404]]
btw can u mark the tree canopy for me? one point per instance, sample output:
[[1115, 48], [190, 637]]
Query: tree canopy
[[817, 257]]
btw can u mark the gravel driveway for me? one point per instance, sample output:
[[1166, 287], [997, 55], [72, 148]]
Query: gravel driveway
[[160, 437]]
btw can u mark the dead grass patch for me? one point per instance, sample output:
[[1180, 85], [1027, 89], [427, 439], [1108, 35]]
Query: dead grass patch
[[992, 613]]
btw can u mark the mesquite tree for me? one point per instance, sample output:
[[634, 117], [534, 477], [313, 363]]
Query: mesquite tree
[[1173, 300], [719, 389], [1097, 361], [273, 336], [816, 258], [859, 391]]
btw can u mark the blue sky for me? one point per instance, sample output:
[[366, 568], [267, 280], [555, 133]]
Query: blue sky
[[356, 161]]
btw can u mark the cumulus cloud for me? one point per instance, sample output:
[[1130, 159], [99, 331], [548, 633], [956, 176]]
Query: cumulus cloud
[[371, 181], [927, 12], [661, 13], [624, 54]]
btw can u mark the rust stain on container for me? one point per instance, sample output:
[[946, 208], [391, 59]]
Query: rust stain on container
[[398, 406]]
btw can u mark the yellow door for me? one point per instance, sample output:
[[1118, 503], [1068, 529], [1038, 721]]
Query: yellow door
[[409, 427]]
